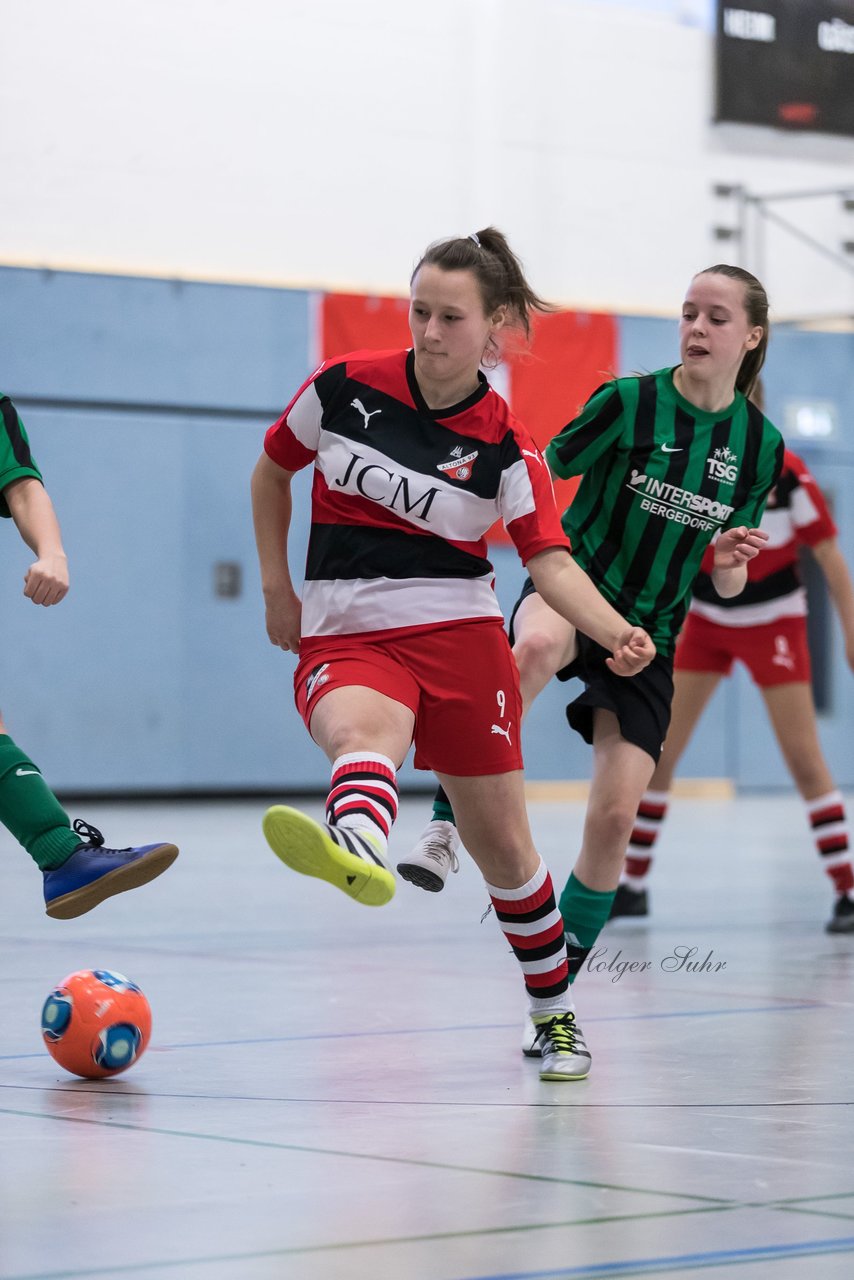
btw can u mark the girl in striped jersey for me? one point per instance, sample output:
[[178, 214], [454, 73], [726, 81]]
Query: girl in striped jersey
[[667, 462], [398, 631], [765, 628]]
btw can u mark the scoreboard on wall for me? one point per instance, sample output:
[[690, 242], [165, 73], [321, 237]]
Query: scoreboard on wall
[[786, 63]]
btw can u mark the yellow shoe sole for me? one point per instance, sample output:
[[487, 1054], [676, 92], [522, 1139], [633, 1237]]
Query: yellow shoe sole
[[304, 846]]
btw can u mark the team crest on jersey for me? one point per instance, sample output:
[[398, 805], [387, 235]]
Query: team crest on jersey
[[457, 465], [317, 678], [723, 464]]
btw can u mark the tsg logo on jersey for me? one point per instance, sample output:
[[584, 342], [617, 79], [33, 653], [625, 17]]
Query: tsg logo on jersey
[[458, 466], [723, 465]]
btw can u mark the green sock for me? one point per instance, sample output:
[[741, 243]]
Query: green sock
[[30, 810], [584, 912], [442, 811]]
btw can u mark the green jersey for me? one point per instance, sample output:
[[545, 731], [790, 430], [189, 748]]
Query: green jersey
[[660, 478], [15, 457]]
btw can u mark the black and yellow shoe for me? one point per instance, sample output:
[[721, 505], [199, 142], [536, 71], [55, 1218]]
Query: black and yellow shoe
[[347, 859]]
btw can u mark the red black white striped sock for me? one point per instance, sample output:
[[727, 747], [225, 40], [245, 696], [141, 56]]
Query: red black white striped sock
[[652, 811], [533, 926], [363, 796], [830, 831]]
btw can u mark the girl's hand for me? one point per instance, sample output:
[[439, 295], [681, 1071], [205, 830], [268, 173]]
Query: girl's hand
[[284, 617], [736, 546], [46, 581], [634, 652]]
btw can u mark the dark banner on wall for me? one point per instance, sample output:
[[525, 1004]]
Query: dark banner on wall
[[786, 63]]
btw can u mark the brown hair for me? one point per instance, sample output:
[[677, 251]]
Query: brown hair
[[499, 274], [757, 395], [756, 306]]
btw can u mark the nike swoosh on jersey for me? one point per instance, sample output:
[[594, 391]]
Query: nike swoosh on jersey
[[667, 449]]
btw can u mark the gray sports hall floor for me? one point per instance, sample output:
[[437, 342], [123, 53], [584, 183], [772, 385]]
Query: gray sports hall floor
[[336, 1093]]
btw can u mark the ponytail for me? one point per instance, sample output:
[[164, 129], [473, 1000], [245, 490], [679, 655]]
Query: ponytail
[[496, 268]]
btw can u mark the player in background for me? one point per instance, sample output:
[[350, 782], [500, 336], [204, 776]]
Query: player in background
[[669, 461], [765, 628], [77, 870], [399, 633]]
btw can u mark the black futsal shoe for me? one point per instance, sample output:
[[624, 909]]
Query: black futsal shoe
[[629, 902], [842, 920]]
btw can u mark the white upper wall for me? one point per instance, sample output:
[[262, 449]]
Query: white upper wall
[[325, 142]]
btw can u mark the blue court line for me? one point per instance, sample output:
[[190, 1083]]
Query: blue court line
[[595, 1271], [680, 1262], [339, 1247], [632, 1267], [471, 1027]]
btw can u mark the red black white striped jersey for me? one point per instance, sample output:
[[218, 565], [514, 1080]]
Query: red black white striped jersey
[[403, 496], [796, 515]]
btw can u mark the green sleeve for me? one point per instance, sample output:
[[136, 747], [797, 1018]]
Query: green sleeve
[[593, 432], [16, 461]]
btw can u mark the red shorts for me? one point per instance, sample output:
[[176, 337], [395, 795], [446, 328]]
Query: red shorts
[[460, 682], [774, 653]]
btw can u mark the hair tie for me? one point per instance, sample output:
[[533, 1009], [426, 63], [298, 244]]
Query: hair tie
[[473, 236]]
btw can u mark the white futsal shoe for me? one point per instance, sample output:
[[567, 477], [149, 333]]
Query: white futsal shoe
[[557, 1040], [433, 857]]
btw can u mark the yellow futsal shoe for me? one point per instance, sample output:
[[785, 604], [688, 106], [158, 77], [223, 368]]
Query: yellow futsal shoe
[[346, 858]]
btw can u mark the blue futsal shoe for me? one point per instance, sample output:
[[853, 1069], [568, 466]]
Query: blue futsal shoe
[[94, 873]]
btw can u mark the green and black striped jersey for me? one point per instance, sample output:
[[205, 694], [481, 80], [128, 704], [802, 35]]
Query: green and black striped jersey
[[16, 460], [660, 478]]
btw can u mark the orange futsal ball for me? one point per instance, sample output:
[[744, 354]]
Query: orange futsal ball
[[96, 1023]]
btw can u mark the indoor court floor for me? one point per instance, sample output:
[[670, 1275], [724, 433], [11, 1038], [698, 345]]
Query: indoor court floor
[[335, 1092]]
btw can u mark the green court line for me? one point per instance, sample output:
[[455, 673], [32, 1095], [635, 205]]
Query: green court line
[[267, 1144], [831, 1195], [610, 1270], [813, 1213], [345, 1245], [701, 1205], [550, 1104], [262, 1143]]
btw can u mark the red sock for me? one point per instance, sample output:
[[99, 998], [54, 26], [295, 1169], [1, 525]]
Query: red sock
[[533, 926], [652, 811], [830, 830], [363, 795]]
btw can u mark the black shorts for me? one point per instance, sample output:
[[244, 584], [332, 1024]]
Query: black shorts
[[641, 703]]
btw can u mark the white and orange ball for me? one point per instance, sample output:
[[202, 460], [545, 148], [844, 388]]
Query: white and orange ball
[[96, 1023]]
